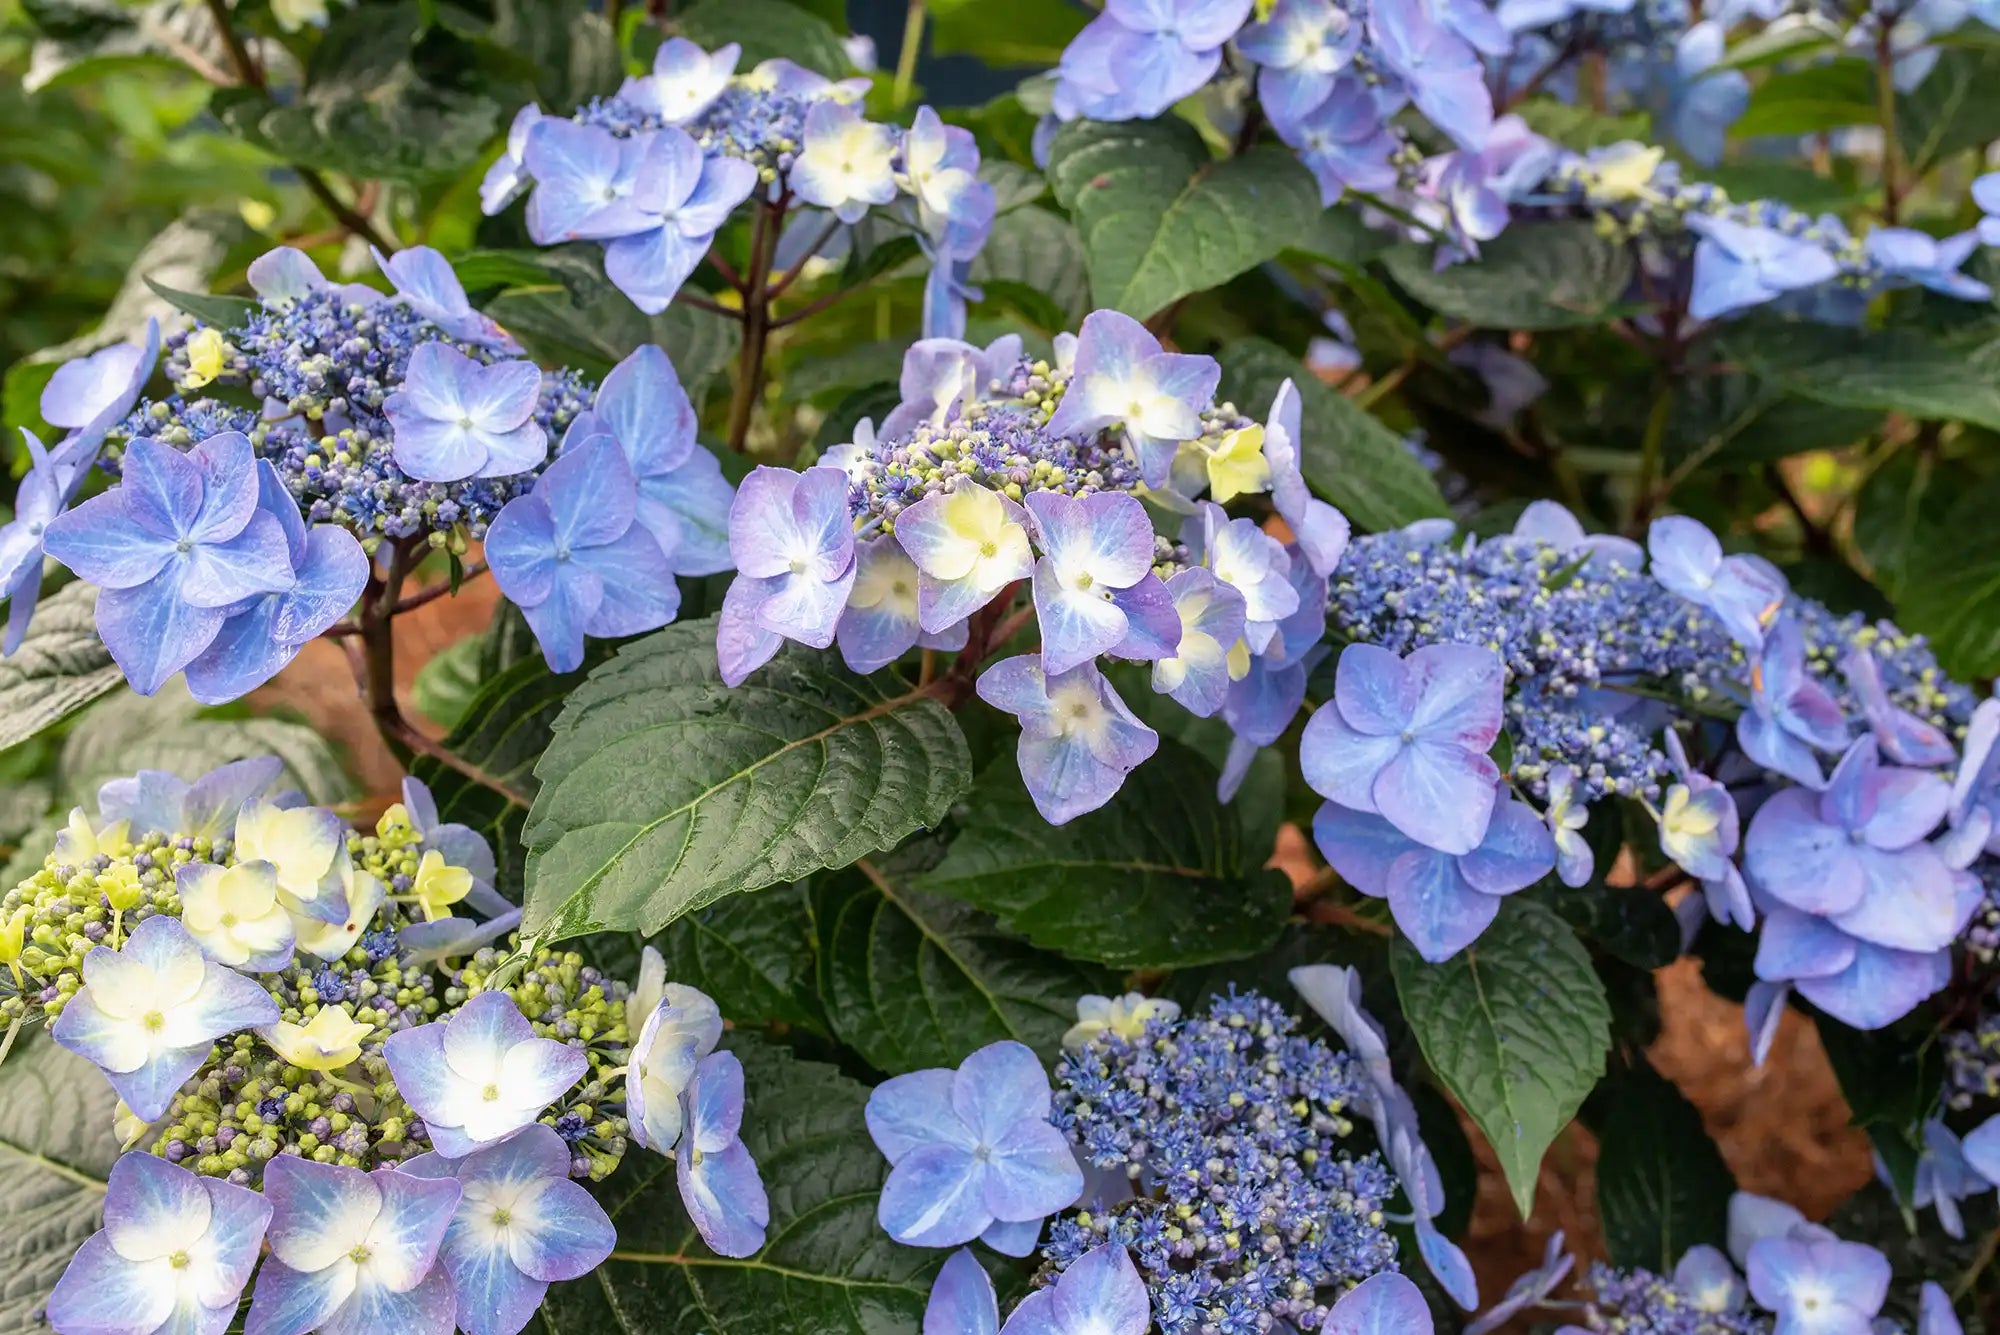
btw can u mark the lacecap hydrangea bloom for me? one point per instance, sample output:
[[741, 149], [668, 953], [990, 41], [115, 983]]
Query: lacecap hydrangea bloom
[[1001, 479]]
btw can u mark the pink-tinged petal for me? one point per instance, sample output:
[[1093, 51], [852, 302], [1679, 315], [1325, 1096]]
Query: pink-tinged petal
[[1361, 846], [1435, 908], [642, 404], [1910, 901], [1799, 945], [1518, 850], [565, 1234], [292, 1302], [997, 1086], [934, 1198], [1102, 1291], [1793, 856], [1880, 987], [1375, 693], [1384, 1304], [1459, 694], [153, 1208], [1340, 763], [724, 1196], [907, 1112], [1065, 779], [1439, 794], [428, 1309], [1032, 1175], [102, 1293], [321, 1212], [962, 1300]]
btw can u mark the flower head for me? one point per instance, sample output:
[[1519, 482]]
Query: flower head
[[1300, 47], [1818, 1285], [794, 548], [481, 1075], [685, 80], [573, 557], [682, 1028], [233, 913], [306, 849], [1791, 716], [173, 1255], [846, 164], [520, 1225], [1125, 1016], [174, 547], [683, 197], [1346, 143], [720, 1186], [586, 181], [1439, 68], [457, 418], [970, 1148], [1739, 265], [1407, 739], [353, 1253], [149, 1012], [1210, 652], [1094, 548], [1099, 1293], [1742, 593], [969, 543], [1124, 378], [1078, 739]]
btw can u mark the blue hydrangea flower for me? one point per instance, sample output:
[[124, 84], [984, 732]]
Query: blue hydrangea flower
[[1320, 531], [234, 915], [879, 624], [1743, 593], [1123, 378], [1078, 739], [681, 1030], [962, 1300], [1094, 548], [457, 418], [1099, 1293], [940, 169], [481, 1075], [1346, 143], [1382, 1304], [263, 634], [1439, 69], [1907, 256], [39, 497], [1975, 789], [1791, 716], [173, 1255], [425, 282], [1300, 48], [149, 1012], [1529, 1290], [1139, 57], [1198, 674], [1903, 737], [845, 164], [586, 181], [158, 801], [1249, 560], [283, 276], [174, 547], [1407, 739], [1705, 101], [1442, 901], [1566, 818], [1551, 524], [685, 80], [969, 1148], [508, 178], [1986, 195], [793, 544], [969, 543], [684, 198], [719, 1183], [1817, 1285], [520, 1225], [1738, 265], [573, 557], [105, 383], [353, 1253]]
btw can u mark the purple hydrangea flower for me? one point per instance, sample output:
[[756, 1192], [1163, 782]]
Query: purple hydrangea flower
[[425, 282], [794, 549], [85, 388], [1743, 593], [1320, 531], [681, 1030], [173, 1255], [1818, 1285], [719, 1182], [940, 166], [175, 547], [148, 1013], [1440, 70], [1099, 1293], [685, 80], [586, 181], [457, 418], [879, 624], [508, 178], [1301, 48], [158, 801], [683, 197], [1791, 716], [1198, 674], [1139, 57], [573, 557], [1407, 739], [1094, 548], [1738, 265], [1252, 562], [845, 164], [264, 633], [962, 1300], [970, 1148], [353, 1253], [481, 1075], [1078, 739], [520, 1225], [39, 498], [1903, 737], [1442, 901], [1124, 378], [1566, 818], [969, 544], [1346, 143]]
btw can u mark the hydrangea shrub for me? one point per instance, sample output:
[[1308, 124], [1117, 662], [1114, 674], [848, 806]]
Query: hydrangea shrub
[[1106, 642]]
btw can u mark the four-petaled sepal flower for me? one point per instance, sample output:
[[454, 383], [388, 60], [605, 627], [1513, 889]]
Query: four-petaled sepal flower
[[482, 1075]]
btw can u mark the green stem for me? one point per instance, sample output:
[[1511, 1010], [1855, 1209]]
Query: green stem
[[906, 58], [1650, 450]]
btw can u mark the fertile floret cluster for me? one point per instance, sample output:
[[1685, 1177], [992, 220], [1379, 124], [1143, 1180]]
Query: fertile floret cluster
[[1229, 1166]]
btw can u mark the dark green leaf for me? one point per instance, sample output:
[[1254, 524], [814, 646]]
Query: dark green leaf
[[753, 954], [1898, 370], [1348, 456], [767, 29], [598, 334], [826, 1268], [1020, 32], [911, 979], [563, 53], [56, 1150], [1035, 250], [1951, 586], [1903, 506], [664, 790], [1811, 99], [219, 312], [1160, 219], [1955, 108], [1581, 127], [1555, 275], [60, 667], [446, 685], [1890, 1080], [1158, 878], [1516, 1027], [1662, 1186]]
